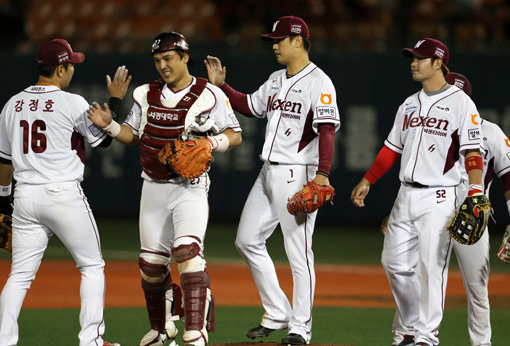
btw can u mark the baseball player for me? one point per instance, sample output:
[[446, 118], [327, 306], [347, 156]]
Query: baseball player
[[173, 210], [474, 259], [299, 103], [433, 128], [42, 133]]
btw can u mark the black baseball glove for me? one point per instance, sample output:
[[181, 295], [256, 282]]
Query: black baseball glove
[[470, 221]]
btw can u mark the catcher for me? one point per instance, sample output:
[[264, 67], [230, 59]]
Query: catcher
[[178, 121]]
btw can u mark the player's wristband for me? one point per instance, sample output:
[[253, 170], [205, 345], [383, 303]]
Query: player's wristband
[[219, 142], [5, 190], [474, 162], [475, 189], [113, 129]]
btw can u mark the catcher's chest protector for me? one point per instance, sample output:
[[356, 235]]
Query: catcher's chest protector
[[164, 124]]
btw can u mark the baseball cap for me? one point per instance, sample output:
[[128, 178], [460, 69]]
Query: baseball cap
[[286, 26], [169, 41], [460, 81], [58, 52], [428, 48]]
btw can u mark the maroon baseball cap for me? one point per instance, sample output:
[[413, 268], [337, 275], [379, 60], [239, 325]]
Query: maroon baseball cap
[[58, 52], [460, 81], [428, 48], [286, 26]]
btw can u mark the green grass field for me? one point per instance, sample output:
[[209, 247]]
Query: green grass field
[[332, 244]]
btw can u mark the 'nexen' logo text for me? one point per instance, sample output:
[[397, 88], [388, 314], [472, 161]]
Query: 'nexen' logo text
[[409, 121]]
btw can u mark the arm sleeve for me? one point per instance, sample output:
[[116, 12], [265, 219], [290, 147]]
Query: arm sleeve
[[382, 164], [238, 100], [324, 103], [326, 146], [83, 124]]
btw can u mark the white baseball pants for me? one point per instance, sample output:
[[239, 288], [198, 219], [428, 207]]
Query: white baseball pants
[[39, 212], [265, 207]]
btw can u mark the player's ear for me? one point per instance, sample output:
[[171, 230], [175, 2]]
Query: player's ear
[[185, 58]]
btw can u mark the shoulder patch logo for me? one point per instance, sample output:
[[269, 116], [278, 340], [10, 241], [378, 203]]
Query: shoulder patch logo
[[473, 117], [229, 107], [326, 99], [506, 142]]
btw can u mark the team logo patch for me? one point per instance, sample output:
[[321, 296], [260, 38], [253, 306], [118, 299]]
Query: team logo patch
[[326, 111], [326, 99], [94, 130], [473, 117], [506, 142], [474, 134], [508, 155], [439, 53]]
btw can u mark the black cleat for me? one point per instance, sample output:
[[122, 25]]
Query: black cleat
[[293, 339], [408, 340], [259, 332]]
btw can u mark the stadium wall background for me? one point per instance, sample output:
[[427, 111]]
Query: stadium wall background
[[370, 87]]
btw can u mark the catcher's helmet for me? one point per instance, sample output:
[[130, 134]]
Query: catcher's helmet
[[169, 41]]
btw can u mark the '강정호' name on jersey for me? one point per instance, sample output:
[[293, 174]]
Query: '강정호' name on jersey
[[163, 116], [274, 104], [409, 121]]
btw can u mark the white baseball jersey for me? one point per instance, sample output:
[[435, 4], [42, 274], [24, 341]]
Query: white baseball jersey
[[430, 138], [294, 107], [221, 113], [41, 130]]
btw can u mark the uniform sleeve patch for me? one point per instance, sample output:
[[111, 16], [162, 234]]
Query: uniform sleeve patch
[[326, 111], [508, 155], [94, 130], [474, 134]]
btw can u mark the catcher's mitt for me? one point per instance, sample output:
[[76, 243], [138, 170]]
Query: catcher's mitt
[[189, 159], [311, 198], [504, 249], [470, 221], [6, 232]]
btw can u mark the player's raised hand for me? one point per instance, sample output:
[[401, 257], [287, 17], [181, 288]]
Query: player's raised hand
[[359, 193], [118, 87], [215, 72], [101, 118]]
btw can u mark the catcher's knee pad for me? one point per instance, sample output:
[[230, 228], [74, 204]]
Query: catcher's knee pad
[[153, 267], [188, 254], [198, 302]]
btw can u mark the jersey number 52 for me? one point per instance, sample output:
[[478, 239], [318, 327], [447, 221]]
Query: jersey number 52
[[34, 136]]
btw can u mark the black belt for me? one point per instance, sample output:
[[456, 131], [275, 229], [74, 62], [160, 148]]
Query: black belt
[[416, 185], [273, 163]]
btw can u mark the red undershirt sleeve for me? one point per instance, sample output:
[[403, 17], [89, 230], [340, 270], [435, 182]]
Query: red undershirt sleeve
[[382, 164], [326, 146], [238, 100]]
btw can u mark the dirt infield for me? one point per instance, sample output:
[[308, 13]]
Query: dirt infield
[[57, 285]]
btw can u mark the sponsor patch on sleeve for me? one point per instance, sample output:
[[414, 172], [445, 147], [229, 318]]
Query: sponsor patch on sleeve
[[474, 134], [508, 155], [94, 130], [326, 111]]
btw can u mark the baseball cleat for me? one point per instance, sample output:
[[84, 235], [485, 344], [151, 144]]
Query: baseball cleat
[[293, 339], [259, 331], [408, 340]]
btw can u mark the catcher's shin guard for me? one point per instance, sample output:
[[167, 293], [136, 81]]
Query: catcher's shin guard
[[198, 308]]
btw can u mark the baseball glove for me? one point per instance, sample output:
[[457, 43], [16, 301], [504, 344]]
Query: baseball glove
[[310, 198], [6, 232], [470, 221], [504, 250], [189, 159]]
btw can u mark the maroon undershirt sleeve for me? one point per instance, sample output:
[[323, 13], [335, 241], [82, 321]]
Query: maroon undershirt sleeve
[[326, 146], [238, 100]]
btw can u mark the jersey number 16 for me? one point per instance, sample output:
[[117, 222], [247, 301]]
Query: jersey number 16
[[37, 140]]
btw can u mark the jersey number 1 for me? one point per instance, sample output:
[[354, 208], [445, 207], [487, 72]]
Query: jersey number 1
[[38, 140]]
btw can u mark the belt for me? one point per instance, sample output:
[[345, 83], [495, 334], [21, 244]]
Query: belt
[[416, 185], [273, 163]]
